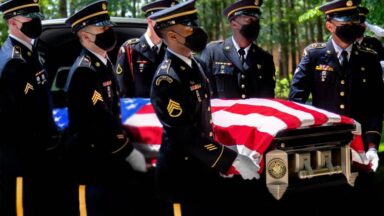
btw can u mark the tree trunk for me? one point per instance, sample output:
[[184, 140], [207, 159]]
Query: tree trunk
[[283, 48], [63, 8], [320, 28], [293, 36]]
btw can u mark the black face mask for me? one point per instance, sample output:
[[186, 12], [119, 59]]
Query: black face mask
[[32, 29], [197, 41], [360, 31], [106, 40], [251, 30], [347, 33]]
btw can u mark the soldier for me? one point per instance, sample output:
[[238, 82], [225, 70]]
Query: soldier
[[190, 160], [138, 58], [99, 147], [28, 129], [341, 76], [367, 41], [237, 67]]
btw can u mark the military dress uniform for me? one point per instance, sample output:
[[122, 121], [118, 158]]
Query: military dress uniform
[[28, 129], [97, 144], [189, 160], [232, 79], [353, 93], [136, 64], [137, 61]]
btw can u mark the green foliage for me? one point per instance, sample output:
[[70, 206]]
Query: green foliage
[[282, 88], [310, 14]]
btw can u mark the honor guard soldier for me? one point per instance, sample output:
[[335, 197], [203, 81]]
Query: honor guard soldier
[[367, 41], [138, 58], [237, 67], [341, 76], [190, 160], [28, 129], [101, 156]]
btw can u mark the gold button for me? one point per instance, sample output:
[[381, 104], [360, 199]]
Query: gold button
[[186, 158], [242, 86], [242, 76], [342, 106], [206, 95], [362, 68], [342, 93], [211, 134], [243, 96], [29, 53], [364, 80], [209, 108], [260, 77], [342, 82]]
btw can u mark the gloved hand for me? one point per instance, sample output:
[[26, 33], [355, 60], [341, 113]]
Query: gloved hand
[[373, 158], [137, 161], [246, 167]]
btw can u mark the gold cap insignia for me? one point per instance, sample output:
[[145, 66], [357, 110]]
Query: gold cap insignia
[[119, 69], [349, 3], [174, 109], [256, 2], [28, 87], [276, 168], [104, 6], [35, 1], [96, 97]]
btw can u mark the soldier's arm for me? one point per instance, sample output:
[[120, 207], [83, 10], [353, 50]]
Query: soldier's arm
[[302, 81], [105, 124], [176, 117], [123, 72]]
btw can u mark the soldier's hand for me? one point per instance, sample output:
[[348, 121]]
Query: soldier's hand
[[373, 158], [246, 167], [137, 161]]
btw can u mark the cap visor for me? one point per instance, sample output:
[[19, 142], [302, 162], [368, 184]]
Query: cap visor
[[33, 15], [104, 23]]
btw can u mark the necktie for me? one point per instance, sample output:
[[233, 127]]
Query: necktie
[[155, 49], [242, 55], [344, 60]]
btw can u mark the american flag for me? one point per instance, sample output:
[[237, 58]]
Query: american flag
[[247, 126]]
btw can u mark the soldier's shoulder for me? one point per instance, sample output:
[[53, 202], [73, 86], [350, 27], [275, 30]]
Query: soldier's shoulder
[[316, 46], [366, 50], [165, 73], [85, 61], [215, 43], [131, 41]]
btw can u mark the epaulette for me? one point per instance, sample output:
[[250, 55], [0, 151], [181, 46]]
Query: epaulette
[[132, 41], [85, 61], [164, 67], [16, 52], [215, 42], [316, 46], [366, 49]]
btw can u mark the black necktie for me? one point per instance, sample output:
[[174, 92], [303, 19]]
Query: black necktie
[[155, 49], [242, 55], [344, 61]]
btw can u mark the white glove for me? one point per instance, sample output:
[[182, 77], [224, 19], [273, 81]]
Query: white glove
[[373, 158], [246, 167], [137, 161]]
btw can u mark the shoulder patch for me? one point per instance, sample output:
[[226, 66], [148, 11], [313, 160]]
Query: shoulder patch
[[132, 41], [16, 52], [164, 67], [161, 78], [85, 61]]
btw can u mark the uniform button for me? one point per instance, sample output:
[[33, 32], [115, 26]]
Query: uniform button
[[362, 68], [243, 96], [211, 134], [242, 86], [364, 80], [186, 158], [29, 53], [209, 108], [260, 77], [210, 121], [342, 82], [206, 95], [342, 93], [242, 76], [342, 106]]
